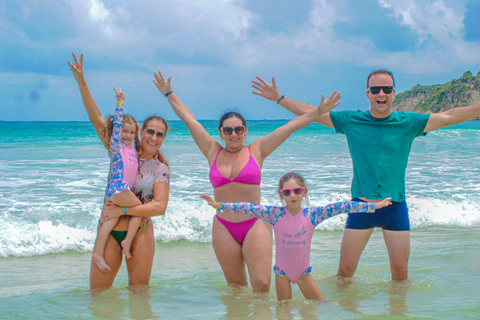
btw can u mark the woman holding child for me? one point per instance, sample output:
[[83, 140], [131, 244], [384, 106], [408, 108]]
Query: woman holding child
[[151, 183]]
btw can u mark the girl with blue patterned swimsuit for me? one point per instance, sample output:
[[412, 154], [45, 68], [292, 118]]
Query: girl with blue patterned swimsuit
[[122, 133], [293, 227]]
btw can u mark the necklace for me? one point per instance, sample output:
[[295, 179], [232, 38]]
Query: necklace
[[233, 151]]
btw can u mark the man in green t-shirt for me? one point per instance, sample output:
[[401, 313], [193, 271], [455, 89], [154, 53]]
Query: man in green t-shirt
[[379, 169]]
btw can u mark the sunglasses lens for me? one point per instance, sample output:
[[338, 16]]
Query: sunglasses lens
[[227, 130], [286, 193], [151, 132], [375, 90], [387, 90], [239, 130], [298, 191]]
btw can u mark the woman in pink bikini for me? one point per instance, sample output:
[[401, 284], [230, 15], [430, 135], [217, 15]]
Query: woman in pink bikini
[[235, 174]]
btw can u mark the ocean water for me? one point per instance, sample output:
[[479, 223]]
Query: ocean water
[[52, 179]]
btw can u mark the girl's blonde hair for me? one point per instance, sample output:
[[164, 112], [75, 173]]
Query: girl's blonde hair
[[158, 154], [107, 131], [298, 178]]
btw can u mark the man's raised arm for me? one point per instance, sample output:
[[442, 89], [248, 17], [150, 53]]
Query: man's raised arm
[[270, 92], [452, 116]]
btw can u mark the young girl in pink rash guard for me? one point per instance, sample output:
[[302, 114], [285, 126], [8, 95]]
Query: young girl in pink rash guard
[[293, 226], [121, 140]]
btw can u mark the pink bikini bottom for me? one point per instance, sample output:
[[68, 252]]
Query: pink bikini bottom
[[238, 230]]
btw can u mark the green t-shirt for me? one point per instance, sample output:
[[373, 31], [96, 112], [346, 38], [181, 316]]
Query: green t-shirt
[[379, 148]]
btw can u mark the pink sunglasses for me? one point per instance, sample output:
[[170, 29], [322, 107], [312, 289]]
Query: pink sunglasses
[[298, 191]]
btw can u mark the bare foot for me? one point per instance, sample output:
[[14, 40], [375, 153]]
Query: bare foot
[[100, 262], [126, 248]]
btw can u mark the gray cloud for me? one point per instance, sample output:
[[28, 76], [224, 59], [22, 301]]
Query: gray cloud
[[34, 96]]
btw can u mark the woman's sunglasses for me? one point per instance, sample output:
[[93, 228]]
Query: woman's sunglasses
[[228, 130], [298, 191], [152, 132], [376, 90]]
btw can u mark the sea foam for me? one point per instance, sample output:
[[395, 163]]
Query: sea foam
[[192, 221], [52, 188]]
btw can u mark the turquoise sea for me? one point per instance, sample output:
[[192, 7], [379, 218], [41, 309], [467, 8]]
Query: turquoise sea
[[52, 179]]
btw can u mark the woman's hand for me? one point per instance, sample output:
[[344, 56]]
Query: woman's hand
[[384, 203], [211, 202], [119, 94], [77, 68], [112, 211], [163, 85], [329, 104], [267, 91]]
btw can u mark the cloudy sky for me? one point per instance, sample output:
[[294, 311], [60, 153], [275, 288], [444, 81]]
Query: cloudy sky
[[214, 48]]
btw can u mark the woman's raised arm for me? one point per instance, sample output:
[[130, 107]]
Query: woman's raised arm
[[90, 105], [204, 141], [265, 146]]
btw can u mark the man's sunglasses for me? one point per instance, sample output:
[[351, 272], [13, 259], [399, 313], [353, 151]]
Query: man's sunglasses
[[376, 90], [228, 130], [298, 191], [152, 132]]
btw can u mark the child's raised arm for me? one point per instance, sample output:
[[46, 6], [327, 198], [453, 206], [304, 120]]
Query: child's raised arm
[[269, 214], [318, 214], [115, 140]]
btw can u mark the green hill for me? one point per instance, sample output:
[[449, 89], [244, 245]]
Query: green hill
[[436, 98]]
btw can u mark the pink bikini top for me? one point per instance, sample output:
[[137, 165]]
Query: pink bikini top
[[250, 174]]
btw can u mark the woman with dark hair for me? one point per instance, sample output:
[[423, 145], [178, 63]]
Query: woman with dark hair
[[235, 173], [152, 182]]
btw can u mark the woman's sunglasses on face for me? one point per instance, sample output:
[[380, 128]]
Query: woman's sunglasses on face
[[152, 132], [385, 89], [298, 191], [229, 130]]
